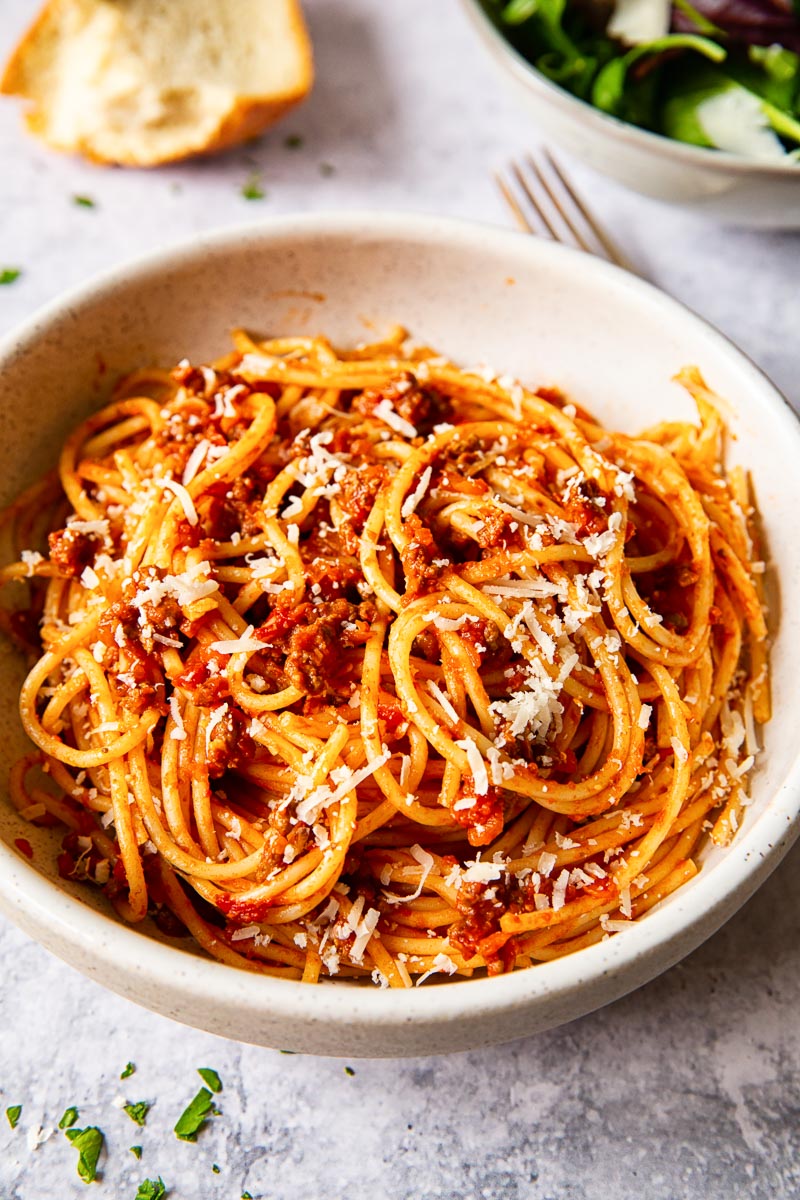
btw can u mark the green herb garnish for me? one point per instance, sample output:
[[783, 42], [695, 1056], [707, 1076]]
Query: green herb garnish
[[138, 1111], [152, 1189], [252, 189], [69, 1118], [9, 274], [349, 1071], [246, 1196], [193, 1117], [88, 1142], [136, 1151], [129, 1069], [14, 1113], [83, 201], [210, 1076], [215, 1168]]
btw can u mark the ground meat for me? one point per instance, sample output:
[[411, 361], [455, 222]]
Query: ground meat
[[205, 678], [667, 591], [481, 908], [230, 744], [423, 407], [452, 480], [494, 530], [484, 819], [582, 509], [236, 508], [357, 497], [192, 378], [312, 638], [336, 578], [422, 573], [71, 551]]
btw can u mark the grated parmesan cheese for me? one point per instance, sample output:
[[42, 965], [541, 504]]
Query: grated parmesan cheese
[[246, 644], [186, 502], [178, 734], [410, 503], [195, 461], [386, 413], [477, 765], [444, 702], [560, 889]]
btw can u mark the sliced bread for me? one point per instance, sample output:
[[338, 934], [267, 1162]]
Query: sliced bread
[[143, 82]]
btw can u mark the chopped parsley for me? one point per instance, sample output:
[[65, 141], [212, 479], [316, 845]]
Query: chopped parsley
[[252, 189], [88, 1142], [9, 274], [246, 1196], [193, 1117], [84, 201], [215, 1168], [14, 1113], [349, 1071], [210, 1077], [293, 141], [136, 1151], [69, 1118], [151, 1189], [138, 1111], [129, 1069]]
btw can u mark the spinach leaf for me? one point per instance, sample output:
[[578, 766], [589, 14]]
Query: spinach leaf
[[682, 110], [612, 83]]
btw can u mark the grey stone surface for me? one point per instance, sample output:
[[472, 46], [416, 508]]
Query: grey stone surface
[[687, 1088]]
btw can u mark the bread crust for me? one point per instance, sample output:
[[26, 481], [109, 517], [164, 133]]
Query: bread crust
[[248, 117]]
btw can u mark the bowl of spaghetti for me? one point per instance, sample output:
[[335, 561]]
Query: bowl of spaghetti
[[393, 658]]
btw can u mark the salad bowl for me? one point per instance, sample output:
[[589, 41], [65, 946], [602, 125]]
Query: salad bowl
[[757, 187]]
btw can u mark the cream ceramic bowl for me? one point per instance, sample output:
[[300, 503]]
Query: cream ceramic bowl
[[726, 187], [549, 316]]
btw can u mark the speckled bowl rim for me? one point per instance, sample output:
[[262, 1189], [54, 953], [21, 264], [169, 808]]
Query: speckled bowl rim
[[720, 161], [641, 952]]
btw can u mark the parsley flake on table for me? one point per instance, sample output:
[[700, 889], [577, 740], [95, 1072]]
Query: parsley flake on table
[[193, 1117], [215, 1168], [349, 1071], [69, 1118], [9, 274], [14, 1113], [136, 1151], [129, 1069], [84, 201], [138, 1111], [246, 1196], [88, 1142], [151, 1189], [252, 189], [210, 1077]]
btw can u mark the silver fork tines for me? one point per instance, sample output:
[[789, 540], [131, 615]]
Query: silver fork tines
[[545, 202]]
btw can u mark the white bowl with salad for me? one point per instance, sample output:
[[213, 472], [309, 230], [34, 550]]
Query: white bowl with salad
[[691, 101]]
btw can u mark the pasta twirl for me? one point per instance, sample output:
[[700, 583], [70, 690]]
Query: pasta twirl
[[359, 664]]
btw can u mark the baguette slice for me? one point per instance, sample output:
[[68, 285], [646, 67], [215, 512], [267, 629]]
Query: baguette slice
[[143, 82]]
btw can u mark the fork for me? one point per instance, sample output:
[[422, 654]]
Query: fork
[[544, 202]]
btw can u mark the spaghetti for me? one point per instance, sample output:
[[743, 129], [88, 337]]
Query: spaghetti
[[358, 664]]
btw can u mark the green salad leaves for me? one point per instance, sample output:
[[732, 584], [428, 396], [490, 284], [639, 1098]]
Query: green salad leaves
[[698, 83]]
